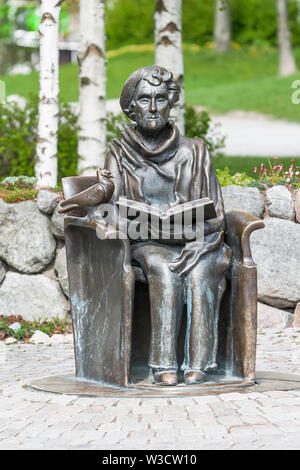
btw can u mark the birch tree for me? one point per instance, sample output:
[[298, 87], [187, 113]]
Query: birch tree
[[168, 48], [222, 31], [92, 73], [287, 64], [46, 150]]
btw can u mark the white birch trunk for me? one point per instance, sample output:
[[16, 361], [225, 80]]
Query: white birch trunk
[[92, 72], [168, 48], [287, 64], [222, 26], [46, 150]]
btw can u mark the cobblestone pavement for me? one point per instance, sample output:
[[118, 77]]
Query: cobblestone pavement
[[38, 420]]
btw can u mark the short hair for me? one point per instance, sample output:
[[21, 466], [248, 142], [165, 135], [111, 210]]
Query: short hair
[[153, 74]]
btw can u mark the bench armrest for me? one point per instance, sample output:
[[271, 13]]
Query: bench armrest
[[239, 226]]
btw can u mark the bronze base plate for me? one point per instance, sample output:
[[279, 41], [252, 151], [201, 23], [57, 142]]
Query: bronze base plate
[[70, 385]]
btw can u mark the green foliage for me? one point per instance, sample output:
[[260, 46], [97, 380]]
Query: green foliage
[[253, 21], [5, 23], [226, 179], [18, 188], [18, 131], [198, 124], [115, 125], [129, 22], [67, 141], [50, 327], [17, 138]]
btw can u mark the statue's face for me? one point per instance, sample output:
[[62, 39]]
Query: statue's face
[[152, 107]]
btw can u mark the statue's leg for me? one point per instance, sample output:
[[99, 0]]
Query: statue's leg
[[205, 286], [166, 304]]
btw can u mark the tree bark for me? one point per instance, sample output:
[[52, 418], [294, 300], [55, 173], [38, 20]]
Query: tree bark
[[287, 64], [92, 72], [46, 150], [222, 26], [168, 48]]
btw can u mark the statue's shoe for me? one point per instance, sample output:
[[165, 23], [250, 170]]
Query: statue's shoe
[[194, 377], [165, 377]]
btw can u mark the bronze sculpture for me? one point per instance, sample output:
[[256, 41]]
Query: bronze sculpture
[[118, 285]]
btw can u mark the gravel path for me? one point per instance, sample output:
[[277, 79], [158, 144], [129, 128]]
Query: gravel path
[[38, 420]]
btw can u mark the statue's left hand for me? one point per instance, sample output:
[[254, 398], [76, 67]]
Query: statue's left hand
[[192, 252]]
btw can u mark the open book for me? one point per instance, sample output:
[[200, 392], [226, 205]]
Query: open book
[[131, 209]]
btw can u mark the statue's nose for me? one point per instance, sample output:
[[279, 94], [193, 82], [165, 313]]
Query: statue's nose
[[153, 106]]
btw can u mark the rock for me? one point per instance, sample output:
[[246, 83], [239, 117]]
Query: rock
[[68, 337], [47, 201], [32, 296], [10, 340], [2, 271], [296, 322], [58, 224], [237, 198], [26, 241], [275, 250], [61, 270], [16, 326], [56, 339], [297, 206], [280, 202], [270, 317], [39, 337]]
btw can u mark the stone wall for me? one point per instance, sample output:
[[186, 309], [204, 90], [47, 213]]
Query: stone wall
[[275, 249], [33, 276]]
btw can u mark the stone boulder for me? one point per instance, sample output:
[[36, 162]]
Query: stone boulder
[[57, 221], [61, 271], [280, 202], [32, 296], [26, 241], [237, 198], [275, 250], [39, 337], [47, 201], [296, 322], [2, 271], [297, 206], [270, 317]]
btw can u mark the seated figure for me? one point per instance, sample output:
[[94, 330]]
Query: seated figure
[[153, 164]]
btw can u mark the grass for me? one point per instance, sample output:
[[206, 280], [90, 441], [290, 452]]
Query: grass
[[247, 164], [15, 194], [240, 79], [50, 327]]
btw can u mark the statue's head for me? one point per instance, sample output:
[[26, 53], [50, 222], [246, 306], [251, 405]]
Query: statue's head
[[148, 95]]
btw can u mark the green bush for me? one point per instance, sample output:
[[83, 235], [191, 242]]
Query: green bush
[[240, 179], [18, 131], [198, 124], [254, 22]]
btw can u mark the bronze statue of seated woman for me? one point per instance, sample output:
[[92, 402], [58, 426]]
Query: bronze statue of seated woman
[[153, 164]]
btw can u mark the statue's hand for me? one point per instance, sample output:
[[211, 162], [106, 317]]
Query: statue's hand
[[192, 252]]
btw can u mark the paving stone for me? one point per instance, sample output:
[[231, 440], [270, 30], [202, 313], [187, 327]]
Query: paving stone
[[228, 421]]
